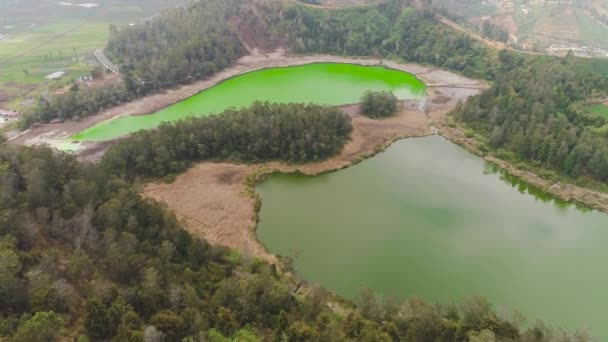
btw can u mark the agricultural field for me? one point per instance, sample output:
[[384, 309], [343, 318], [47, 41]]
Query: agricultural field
[[568, 24], [540, 25], [466, 9], [31, 53], [38, 38], [339, 3]]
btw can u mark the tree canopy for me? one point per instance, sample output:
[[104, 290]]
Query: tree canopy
[[379, 104], [293, 133], [82, 252]]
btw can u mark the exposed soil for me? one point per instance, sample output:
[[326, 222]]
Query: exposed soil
[[214, 201]]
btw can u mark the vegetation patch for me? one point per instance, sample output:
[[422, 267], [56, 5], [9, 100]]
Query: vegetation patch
[[289, 132], [599, 109], [379, 104]]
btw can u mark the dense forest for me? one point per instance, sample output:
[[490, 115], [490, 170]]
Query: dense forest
[[181, 45], [388, 30], [533, 111], [83, 254], [85, 257], [293, 133], [76, 103]]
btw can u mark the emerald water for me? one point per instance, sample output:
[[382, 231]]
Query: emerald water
[[322, 83], [426, 218]]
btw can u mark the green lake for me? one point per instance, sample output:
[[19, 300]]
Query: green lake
[[321, 83], [428, 219]]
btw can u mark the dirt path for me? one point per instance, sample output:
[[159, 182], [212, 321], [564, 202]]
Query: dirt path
[[214, 199]]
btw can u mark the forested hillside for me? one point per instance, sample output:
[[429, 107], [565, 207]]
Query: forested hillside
[[84, 256], [390, 31], [181, 45], [534, 112]]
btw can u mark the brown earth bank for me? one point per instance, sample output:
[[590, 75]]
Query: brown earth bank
[[216, 201], [55, 134]]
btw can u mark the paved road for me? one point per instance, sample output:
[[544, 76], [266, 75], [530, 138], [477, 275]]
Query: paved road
[[105, 61]]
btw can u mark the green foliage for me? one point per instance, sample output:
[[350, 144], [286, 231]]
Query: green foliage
[[76, 103], [42, 327], [379, 104], [151, 279], [181, 45], [531, 111], [494, 32], [12, 287], [98, 323], [87, 239], [47, 299], [392, 29], [599, 109], [289, 132]]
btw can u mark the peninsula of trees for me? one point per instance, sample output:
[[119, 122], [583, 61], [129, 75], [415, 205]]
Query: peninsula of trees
[[294, 133]]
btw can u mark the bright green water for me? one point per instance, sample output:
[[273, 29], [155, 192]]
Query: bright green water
[[428, 219], [323, 83]]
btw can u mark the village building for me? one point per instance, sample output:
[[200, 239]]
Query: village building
[[55, 75], [9, 115]]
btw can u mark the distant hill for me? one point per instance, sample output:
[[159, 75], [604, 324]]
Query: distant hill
[[540, 25]]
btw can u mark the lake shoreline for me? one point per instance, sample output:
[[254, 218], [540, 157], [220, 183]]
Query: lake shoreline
[[55, 134], [565, 191], [218, 202]]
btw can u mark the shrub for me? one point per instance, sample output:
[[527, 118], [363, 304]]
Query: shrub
[[378, 104]]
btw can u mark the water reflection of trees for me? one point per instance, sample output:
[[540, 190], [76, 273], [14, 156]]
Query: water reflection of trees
[[527, 189]]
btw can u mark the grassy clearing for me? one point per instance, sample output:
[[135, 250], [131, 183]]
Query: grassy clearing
[[600, 109]]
